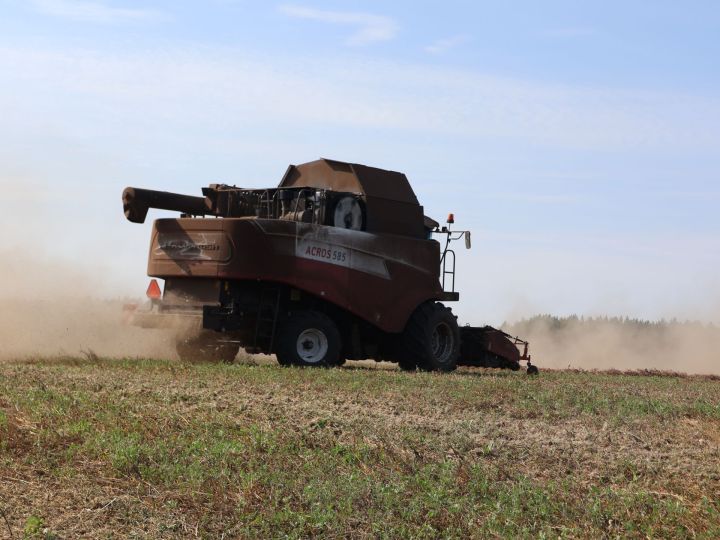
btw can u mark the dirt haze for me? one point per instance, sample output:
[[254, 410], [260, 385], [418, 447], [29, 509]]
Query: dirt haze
[[616, 343], [49, 308]]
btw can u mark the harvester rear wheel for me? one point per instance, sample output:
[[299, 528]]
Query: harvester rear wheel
[[309, 338], [206, 347], [432, 338]]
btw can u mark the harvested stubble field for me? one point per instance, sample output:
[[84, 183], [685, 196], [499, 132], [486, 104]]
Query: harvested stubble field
[[102, 448]]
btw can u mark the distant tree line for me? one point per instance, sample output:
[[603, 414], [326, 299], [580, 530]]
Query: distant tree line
[[555, 324]]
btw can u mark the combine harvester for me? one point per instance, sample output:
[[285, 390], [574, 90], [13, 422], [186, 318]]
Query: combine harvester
[[336, 263]]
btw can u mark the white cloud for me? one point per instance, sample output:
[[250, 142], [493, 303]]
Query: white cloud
[[445, 44], [223, 89], [88, 11], [369, 28]]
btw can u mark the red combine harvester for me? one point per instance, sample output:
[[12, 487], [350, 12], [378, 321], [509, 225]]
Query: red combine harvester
[[336, 263]]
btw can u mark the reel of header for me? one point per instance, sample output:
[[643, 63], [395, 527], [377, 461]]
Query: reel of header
[[348, 214]]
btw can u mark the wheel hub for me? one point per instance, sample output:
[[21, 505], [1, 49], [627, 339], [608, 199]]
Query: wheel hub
[[312, 345], [443, 341]]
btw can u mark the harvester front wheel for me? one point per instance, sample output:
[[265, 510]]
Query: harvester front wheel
[[309, 338], [432, 338]]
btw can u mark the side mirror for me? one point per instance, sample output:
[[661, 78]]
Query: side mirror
[[468, 243]]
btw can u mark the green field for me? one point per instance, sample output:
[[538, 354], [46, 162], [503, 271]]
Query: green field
[[100, 448]]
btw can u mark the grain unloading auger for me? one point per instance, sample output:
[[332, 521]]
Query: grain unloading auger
[[336, 263]]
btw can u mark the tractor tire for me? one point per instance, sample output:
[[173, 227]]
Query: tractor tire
[[432, 338], [308, 338], [206, 347]]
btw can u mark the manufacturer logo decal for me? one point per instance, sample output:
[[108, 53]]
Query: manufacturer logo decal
[[191, 246], [316, 248]]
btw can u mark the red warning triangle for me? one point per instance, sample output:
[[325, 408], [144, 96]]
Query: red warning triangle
[[153, 291]]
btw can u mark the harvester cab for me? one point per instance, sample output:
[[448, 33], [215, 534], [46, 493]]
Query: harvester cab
[[337, 262]]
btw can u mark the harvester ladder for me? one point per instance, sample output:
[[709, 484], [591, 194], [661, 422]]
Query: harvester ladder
[[266, 322], [448, 270]]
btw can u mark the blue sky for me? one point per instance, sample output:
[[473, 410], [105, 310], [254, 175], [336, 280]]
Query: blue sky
[[580, 141]]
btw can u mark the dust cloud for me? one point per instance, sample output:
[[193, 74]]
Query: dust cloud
[[49, 309], [601, 343]]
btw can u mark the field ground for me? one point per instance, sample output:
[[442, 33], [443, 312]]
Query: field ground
[[105, 448]]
